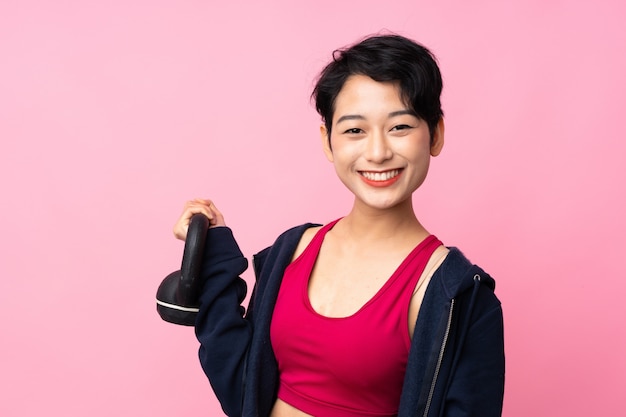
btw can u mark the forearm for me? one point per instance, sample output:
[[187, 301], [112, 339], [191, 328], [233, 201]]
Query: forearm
[[223, 333]]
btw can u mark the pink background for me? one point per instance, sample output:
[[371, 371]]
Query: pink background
[[112, 114]]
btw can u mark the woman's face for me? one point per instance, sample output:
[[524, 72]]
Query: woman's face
[[380, 149]]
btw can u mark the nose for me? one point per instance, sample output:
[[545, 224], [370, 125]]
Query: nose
[[377, 148]]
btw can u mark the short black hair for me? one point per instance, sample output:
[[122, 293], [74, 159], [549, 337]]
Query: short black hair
[[392, 58]]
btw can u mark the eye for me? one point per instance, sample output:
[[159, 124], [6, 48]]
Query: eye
[[354, 131], [400, 127]]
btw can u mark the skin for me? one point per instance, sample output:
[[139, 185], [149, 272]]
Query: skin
[[381, 152]]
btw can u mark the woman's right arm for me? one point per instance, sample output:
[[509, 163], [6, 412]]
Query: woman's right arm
[[221, 329]]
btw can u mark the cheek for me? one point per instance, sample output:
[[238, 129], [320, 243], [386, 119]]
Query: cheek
[[342, 152], [417, 150], [340, 161]]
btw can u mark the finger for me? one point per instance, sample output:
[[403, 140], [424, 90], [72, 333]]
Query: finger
[[217, 218]]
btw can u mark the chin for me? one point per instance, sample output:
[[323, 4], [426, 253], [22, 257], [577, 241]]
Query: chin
[[385, 204]]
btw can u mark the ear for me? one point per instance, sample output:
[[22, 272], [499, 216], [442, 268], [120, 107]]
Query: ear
[[326, 143], [437, 141]]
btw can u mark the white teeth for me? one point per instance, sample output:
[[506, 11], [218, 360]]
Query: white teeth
[[380, 176]]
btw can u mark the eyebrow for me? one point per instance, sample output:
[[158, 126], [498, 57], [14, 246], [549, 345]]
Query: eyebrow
[[360, 117]]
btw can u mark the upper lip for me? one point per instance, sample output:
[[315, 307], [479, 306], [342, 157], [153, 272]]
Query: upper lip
[[379, 170]]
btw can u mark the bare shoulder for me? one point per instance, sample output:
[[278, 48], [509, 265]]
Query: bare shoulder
[[306, 238]]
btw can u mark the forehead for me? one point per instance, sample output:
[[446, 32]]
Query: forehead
[[362, 95]]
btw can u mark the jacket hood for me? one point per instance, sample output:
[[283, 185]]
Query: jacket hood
[[455, 265]]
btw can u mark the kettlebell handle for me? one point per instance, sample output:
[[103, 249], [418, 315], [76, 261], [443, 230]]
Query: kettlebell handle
[[178, 295], [188, 288]]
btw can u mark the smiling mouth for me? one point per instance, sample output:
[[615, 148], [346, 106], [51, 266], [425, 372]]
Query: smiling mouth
[[380, 176]]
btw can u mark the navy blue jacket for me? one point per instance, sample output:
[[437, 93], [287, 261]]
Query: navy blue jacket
[[456, 361]]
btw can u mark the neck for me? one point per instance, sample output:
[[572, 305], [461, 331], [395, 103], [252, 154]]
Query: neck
[[368, 224]]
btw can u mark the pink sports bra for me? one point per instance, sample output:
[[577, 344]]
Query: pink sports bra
[[349, 366]]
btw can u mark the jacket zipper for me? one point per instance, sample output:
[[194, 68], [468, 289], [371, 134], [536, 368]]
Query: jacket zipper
[[439, 360]]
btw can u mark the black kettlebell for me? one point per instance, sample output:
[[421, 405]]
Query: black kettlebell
[[178, 295]]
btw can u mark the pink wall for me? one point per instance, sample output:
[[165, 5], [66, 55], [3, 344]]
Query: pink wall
[[112, 114]]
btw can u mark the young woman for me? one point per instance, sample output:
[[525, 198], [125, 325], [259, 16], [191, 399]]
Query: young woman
[[369, 315]]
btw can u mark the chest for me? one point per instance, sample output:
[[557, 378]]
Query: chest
[[341, 283]]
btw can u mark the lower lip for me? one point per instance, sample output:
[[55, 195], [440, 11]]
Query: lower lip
[[385, 183]]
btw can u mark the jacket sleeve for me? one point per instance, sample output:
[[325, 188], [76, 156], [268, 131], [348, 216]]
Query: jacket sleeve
[[477, 385], [223, 332]]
